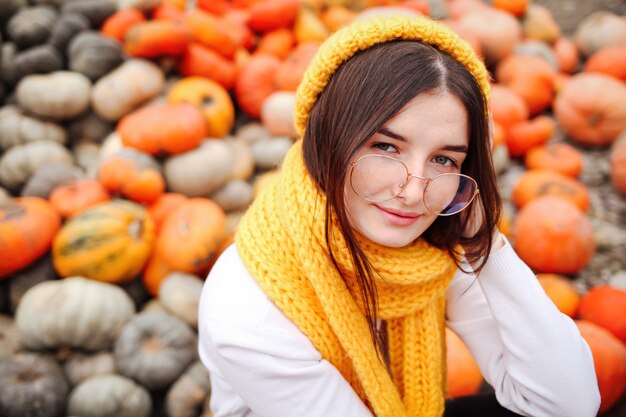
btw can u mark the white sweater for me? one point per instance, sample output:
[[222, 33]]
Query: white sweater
[[262, 365]]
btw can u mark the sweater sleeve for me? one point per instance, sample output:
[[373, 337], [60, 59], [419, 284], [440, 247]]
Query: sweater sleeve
[[260, 363], [531, 353]]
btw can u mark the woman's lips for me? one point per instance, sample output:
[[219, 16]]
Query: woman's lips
[[398, 218]]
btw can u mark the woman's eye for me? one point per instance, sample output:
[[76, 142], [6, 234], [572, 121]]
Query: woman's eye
[[445, 161], [386, 147]]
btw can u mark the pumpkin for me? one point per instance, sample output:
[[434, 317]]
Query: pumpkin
[[610, 61], [515, 7], [31, 25], [598, 30], [562, 292], [278, 42], [566, 54], [201, 171], [531, 77], [154, 349], [523, 136], [163, 128], [87, 157], [143, 5], [276, 114], [605, 305], [110, 242], [291, 70], [75, 312], [506, 106], [48, 176], [65, 28], [16, 127], [336, 16], [5, 196], [27, 226], [180, 294], [559, 157], [618, 163], [538, 23], [156, 38], [191, 235], [256, 82], [19, 163], [10, 338], [132, 174], [89, 126], [125, 88], [234, 195], [58, 95], [250, 132], [269, 153], [32, 385], [188, 393], [536, 183], [210, 98], [537, 48], [497, 31], [94, 55], [204, 62], [77, 196], [8, 51], [79, 366], [552, 235], [24, 279], [463, 374], [168, 12], [154, 273], [609, 358], [9, 7], [163, 206], [309, 28], [266, 15], [592, 119], [116, 25], [96, 11], [36, 60], [109, 395], [243, 165], [213, 32]]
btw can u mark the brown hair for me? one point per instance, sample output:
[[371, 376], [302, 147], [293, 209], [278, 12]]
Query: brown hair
[[361, 96]]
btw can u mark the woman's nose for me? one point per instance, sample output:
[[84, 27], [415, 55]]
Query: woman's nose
[[413, 191]]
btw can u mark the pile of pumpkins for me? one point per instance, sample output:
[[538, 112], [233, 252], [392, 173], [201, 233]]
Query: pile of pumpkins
[[135, 133]]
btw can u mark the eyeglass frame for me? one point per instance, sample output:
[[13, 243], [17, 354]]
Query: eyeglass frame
[[406, 181]]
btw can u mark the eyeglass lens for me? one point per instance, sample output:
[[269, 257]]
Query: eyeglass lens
[[378, 178]]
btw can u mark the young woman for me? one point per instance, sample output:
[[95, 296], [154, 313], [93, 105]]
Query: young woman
[[380, 231]]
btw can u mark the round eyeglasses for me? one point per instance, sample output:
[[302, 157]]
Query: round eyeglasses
[[379, 178]]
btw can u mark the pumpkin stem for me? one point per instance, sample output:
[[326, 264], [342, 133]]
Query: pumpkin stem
[[152, 345], [595, 119]]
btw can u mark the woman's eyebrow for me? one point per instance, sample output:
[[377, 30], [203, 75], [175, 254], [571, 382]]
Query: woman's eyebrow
[[384, 130], [455, 148]]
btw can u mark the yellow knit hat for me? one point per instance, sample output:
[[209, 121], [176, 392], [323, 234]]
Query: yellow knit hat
[[363, 34]]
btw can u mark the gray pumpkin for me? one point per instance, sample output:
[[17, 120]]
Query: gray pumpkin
[[109, 396], [87, 156], [155, 348], [39, 59], [187, 395], [32, 385], [8, 51], [59, 95], [31, 25], [68, 26], [9, 7], [96, 11], [79, 365], [49, 176], [94, 55], [9, 338], [89, 127], [17, 128], [25, 279]]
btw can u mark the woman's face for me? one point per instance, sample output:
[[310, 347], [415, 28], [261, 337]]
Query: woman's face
[[430, 135]]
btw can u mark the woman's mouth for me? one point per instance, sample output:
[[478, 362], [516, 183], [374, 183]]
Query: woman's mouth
[[397, 217]]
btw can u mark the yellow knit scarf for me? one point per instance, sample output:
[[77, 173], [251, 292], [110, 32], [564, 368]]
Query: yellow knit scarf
[[281, 241]]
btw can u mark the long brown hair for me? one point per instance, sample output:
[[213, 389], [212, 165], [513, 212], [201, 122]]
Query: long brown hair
[[361, 96]]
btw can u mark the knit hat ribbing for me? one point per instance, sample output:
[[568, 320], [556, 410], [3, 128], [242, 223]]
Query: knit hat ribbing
[[363, 34]]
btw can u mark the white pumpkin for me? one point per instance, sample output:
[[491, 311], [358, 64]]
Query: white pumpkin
[[269, 153], [251, 132], [16, 128], [277, 114], [9, 336], [79, 366], [234, 195], [180, 294], [189, 392]]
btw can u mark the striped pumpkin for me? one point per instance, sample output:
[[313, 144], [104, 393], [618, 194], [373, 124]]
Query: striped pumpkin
[[110, 242]]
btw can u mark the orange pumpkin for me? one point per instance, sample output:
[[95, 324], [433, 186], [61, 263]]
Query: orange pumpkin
[[191, 235], [156, 38], [209, 97], [163, 128], [592, 119], [77, 196], [459, 8], [269, 15], [561, 291], [204, 62], [166, 11], [535, 183], [499, 135], [515, 7], [292, 69], [560, 157], [506, 106], [336, 16], [129, 175], [523, 136], [531, 77], [605, 306], [163, 206], [221, 35], [609, 358], [27, 227], [256, 82], [566, 54], [618, 163], [552, 235], [463, 373], [610, 60], [116, 25], [154, 273], [277, 42]]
